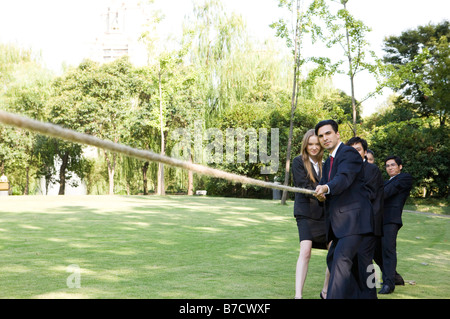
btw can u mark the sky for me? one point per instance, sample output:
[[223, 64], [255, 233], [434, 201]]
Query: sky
[[63, 30]]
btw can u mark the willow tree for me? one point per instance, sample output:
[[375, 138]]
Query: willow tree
[[172, 97], [215, 37], [211, 38]]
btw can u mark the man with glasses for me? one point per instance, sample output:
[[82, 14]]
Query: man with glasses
[[396, 191]]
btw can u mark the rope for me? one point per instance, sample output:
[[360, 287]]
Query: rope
[[52, 130]]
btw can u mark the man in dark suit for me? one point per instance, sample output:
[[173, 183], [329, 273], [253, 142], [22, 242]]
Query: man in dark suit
[[396, 191], [374, 184], [347, 204]]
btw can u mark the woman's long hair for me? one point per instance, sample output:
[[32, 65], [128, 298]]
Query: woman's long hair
[[305, 156]]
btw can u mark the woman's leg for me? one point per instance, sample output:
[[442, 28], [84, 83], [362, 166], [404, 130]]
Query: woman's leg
[[327, 278], [302, 267]]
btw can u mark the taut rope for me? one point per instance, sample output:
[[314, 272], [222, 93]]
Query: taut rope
[[76, 137]]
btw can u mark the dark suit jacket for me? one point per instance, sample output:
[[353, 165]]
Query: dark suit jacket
[[348, 208], [375, 185], [305, 204], [396, 191]]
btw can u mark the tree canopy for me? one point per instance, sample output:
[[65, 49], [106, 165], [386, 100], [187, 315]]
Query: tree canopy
[[186, 100], [419, 61]]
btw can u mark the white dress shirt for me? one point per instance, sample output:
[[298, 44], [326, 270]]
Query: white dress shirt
[[315, 165]]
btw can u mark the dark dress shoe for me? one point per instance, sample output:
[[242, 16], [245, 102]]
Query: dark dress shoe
[[399, 280], [386, 290]]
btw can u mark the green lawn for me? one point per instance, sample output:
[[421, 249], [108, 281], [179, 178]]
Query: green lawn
[[184, 247], [428, 205]]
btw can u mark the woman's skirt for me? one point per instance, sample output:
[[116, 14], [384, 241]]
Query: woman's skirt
[[312, 229]]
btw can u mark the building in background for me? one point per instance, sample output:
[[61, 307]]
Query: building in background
[[123, 24]]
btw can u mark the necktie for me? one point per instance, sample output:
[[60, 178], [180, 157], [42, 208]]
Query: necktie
[[331, 166]]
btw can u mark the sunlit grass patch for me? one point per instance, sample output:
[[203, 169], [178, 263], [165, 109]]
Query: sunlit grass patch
[[183, 247]]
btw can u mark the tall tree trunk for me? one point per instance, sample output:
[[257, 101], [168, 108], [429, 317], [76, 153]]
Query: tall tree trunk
[[144, 177], [293, 100], [190, 179], [27, 184], [161, 190], [111, 170], [349, 56], [62, 173], [48, 178]]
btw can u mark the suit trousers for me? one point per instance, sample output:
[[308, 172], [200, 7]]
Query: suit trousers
[[389, 253], [364, 261], [343, 282]]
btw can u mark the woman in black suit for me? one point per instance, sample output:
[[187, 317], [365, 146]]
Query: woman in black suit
[[308, 211]]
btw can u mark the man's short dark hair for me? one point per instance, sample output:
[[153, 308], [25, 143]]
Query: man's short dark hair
[[397, 159], [356, 140], [333, 124]]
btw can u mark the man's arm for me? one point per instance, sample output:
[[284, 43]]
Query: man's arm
[[349, 165], [373, 180], [401, 182]]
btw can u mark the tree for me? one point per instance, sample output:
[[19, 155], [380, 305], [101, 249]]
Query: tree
[[296, 43], [95, 99], [155, 52], [67, 155], [46, 166], [28, 99], [143, 120], [167, 76], [24, 89], [350, 34], [161, 189], [303, 22], [418, 67], [422, 146], [215, 37], [112, 90]]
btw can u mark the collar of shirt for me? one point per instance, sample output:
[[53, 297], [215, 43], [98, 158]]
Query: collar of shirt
[[315, 165], [335, 150], [393, 176]]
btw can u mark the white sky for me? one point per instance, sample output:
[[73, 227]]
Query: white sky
[[63, 29]]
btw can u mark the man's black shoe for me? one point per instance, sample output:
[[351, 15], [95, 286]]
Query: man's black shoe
[[386, 290]]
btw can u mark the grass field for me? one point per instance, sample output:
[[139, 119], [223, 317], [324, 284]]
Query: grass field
[[428, 205], [183, 247]]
